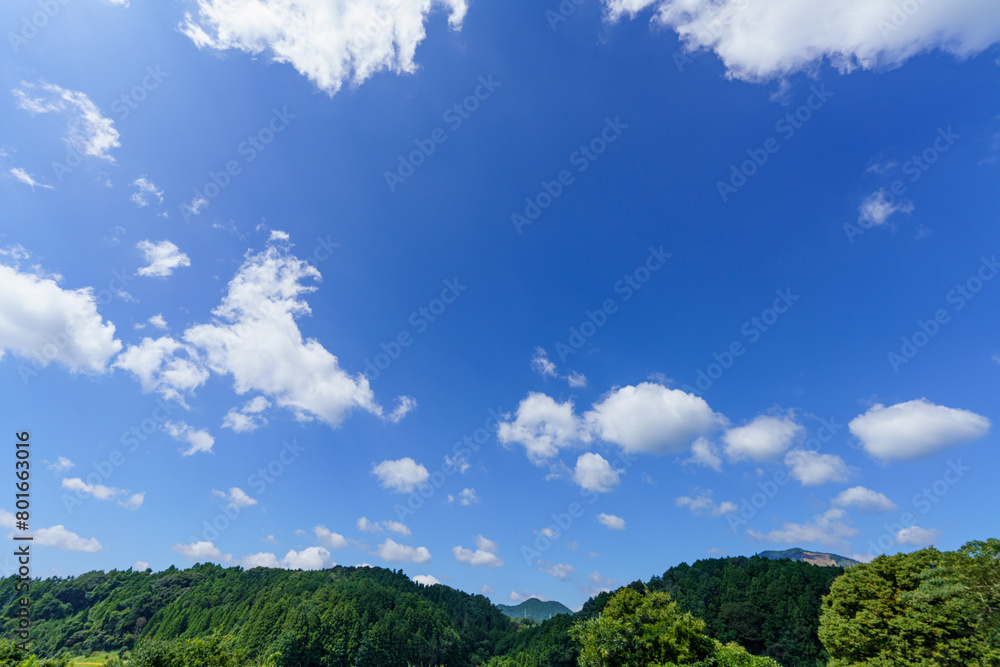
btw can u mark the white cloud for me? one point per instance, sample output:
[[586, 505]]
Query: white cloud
[[255, 338], [402, 475], [651, 418], [140, 566], [58, 537], [263, 559], [162, 258], [89, 132], [541, 364], [594, 473], [703, 453], [916, 536], [877, 208], [62, 464], [157, 321], [312, 558], [43, 322], [236, 496], [328, 42], [915, 428], [611, 521], [28, 179], [146, 190], [864, 499], [576, 380], [159, 367], [247, 418], [465, 497], [548, 532], [380, 527], [484, 555], [561, 571], [125, 498], [765, 40], [704, 504], [485, 590], [543, 426], [394, 552], [457, 462], [812, 468], [599, 584], [199, 441], [330, 538], [829, 529], [762, 439], [202, 551], [425, 579]]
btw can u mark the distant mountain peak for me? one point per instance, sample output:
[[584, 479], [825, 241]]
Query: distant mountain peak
[[540, 610], [812, 557]]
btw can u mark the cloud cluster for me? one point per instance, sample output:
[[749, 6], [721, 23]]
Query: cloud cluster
[[484, 555], [915, 428], [328, 42], [89, 132]]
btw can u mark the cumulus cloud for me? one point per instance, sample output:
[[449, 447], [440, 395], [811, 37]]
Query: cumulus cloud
[[124, 497], [762, 439], [829, 529], [651, 418], [58, 537], [864, 499], [328, 42], [43, 322], [543, 426], [263, 559], [62, 464], [484, 555], [765, 40], [541, 364], [380, 527], [915, 428], [877, 208], [465, 497], [394, 552], [402, 475], [561, 571], [254, 338], [812, 468], [425, 579], [28, 179], [162, 258], [202, 551], [248, 418], [576, 380], [703, 453], [916, 536], [611, 521], [236, 496], [703, 504], [311, 558], [197, 440], [594, 473]]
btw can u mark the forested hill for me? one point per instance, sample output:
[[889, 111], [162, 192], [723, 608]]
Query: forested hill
[[342, 616], [539, 610]]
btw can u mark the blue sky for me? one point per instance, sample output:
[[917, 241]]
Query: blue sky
[[648, 286]]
